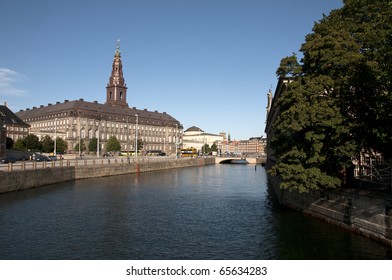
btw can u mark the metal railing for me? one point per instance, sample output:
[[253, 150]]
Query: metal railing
[[33, 165]]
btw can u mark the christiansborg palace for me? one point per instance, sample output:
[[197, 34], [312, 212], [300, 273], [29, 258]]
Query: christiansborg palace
[[78, 119]]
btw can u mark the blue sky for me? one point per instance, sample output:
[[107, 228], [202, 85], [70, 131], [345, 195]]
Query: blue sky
[[208, 63]]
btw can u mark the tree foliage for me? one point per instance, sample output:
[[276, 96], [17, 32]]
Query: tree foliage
[[20, 145], [32, 143], [47, 144], [113, 145], [339, 101], [9, 143], [140, 145], [82, 146], [61, 145], [92, 145]]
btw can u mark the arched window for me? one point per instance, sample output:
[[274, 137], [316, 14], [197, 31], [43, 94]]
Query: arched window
[[121, 95], [110, 95]]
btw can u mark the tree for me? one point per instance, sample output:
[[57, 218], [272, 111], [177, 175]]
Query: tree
[[92, 145], [20, 145], [82, 146], [339, 100], [310, 138], [140, 145], [10, 143], [206, 149], [214, 147], [61, 145], [113, 145], [353, 46], [32, 143], [47, 144]]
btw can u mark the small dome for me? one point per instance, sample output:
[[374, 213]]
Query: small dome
[[193, 129]]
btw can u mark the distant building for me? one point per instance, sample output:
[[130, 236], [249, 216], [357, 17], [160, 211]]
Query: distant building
[[14, 127], [78, 120], [254, 146], [273, 112], [195, 137]]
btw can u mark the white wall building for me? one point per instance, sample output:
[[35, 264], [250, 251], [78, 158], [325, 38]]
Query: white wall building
[[196, 138]]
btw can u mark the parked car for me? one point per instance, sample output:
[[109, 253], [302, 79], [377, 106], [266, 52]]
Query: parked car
[[52, 158], [8, 160], [41, 158]]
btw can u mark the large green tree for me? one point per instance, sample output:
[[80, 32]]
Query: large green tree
[[310, 139], [339, 101], [32, 142], [353, 46]]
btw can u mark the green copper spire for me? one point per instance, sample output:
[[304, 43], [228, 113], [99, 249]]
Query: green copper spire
[[118, 52]]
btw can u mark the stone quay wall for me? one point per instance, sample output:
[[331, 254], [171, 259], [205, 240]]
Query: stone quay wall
[[363, 212], [25, 179]]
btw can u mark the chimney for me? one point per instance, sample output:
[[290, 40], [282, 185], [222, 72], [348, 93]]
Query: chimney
[[5, 104]]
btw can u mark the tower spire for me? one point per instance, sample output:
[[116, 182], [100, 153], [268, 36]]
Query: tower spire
[[116, 90], [118, 52]]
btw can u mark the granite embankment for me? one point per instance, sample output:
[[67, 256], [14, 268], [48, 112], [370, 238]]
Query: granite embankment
[[25, 179], [364, 212]]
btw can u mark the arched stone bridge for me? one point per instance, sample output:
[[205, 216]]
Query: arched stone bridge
[[250, 160]]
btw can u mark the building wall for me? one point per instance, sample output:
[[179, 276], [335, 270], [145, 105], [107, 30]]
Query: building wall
[[198, 140], [71, 129], [255, 146], [3, 141]]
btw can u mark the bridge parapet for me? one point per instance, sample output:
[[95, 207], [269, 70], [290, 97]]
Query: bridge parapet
[[250, 160]]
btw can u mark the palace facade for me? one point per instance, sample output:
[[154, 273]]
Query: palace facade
[[78, 120]]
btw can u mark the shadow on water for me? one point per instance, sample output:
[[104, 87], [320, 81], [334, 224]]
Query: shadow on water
[[305, 238]]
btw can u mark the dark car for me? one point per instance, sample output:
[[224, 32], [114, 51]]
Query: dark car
[[8, 160], [41, 158], [52, 158]]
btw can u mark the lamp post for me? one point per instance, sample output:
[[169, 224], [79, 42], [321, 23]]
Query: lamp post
[[98, 137], [176, 141], [129, 161], [79, 143], [137, 120], [55, 137]]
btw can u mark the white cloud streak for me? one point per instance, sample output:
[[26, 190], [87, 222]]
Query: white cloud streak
[[8, 83]]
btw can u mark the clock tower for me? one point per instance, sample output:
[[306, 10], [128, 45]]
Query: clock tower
[[116, 90]]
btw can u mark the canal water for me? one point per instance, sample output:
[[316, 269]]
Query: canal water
[[211, 212]]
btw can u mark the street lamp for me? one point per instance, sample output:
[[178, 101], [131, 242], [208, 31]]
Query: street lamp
[[137, 120], [129, 161], [79, 144], [176, 140], [98, 137], [55, 137]]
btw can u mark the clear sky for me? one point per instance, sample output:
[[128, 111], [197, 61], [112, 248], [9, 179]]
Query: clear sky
[[207, 63]]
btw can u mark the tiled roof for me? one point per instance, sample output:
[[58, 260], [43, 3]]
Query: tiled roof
[[9, 118], [97, 110]]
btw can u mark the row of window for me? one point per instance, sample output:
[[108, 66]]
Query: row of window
[[61, 124], [120, 137], [17, 128]]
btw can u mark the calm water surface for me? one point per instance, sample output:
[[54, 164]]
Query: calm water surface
[[213, 212]]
